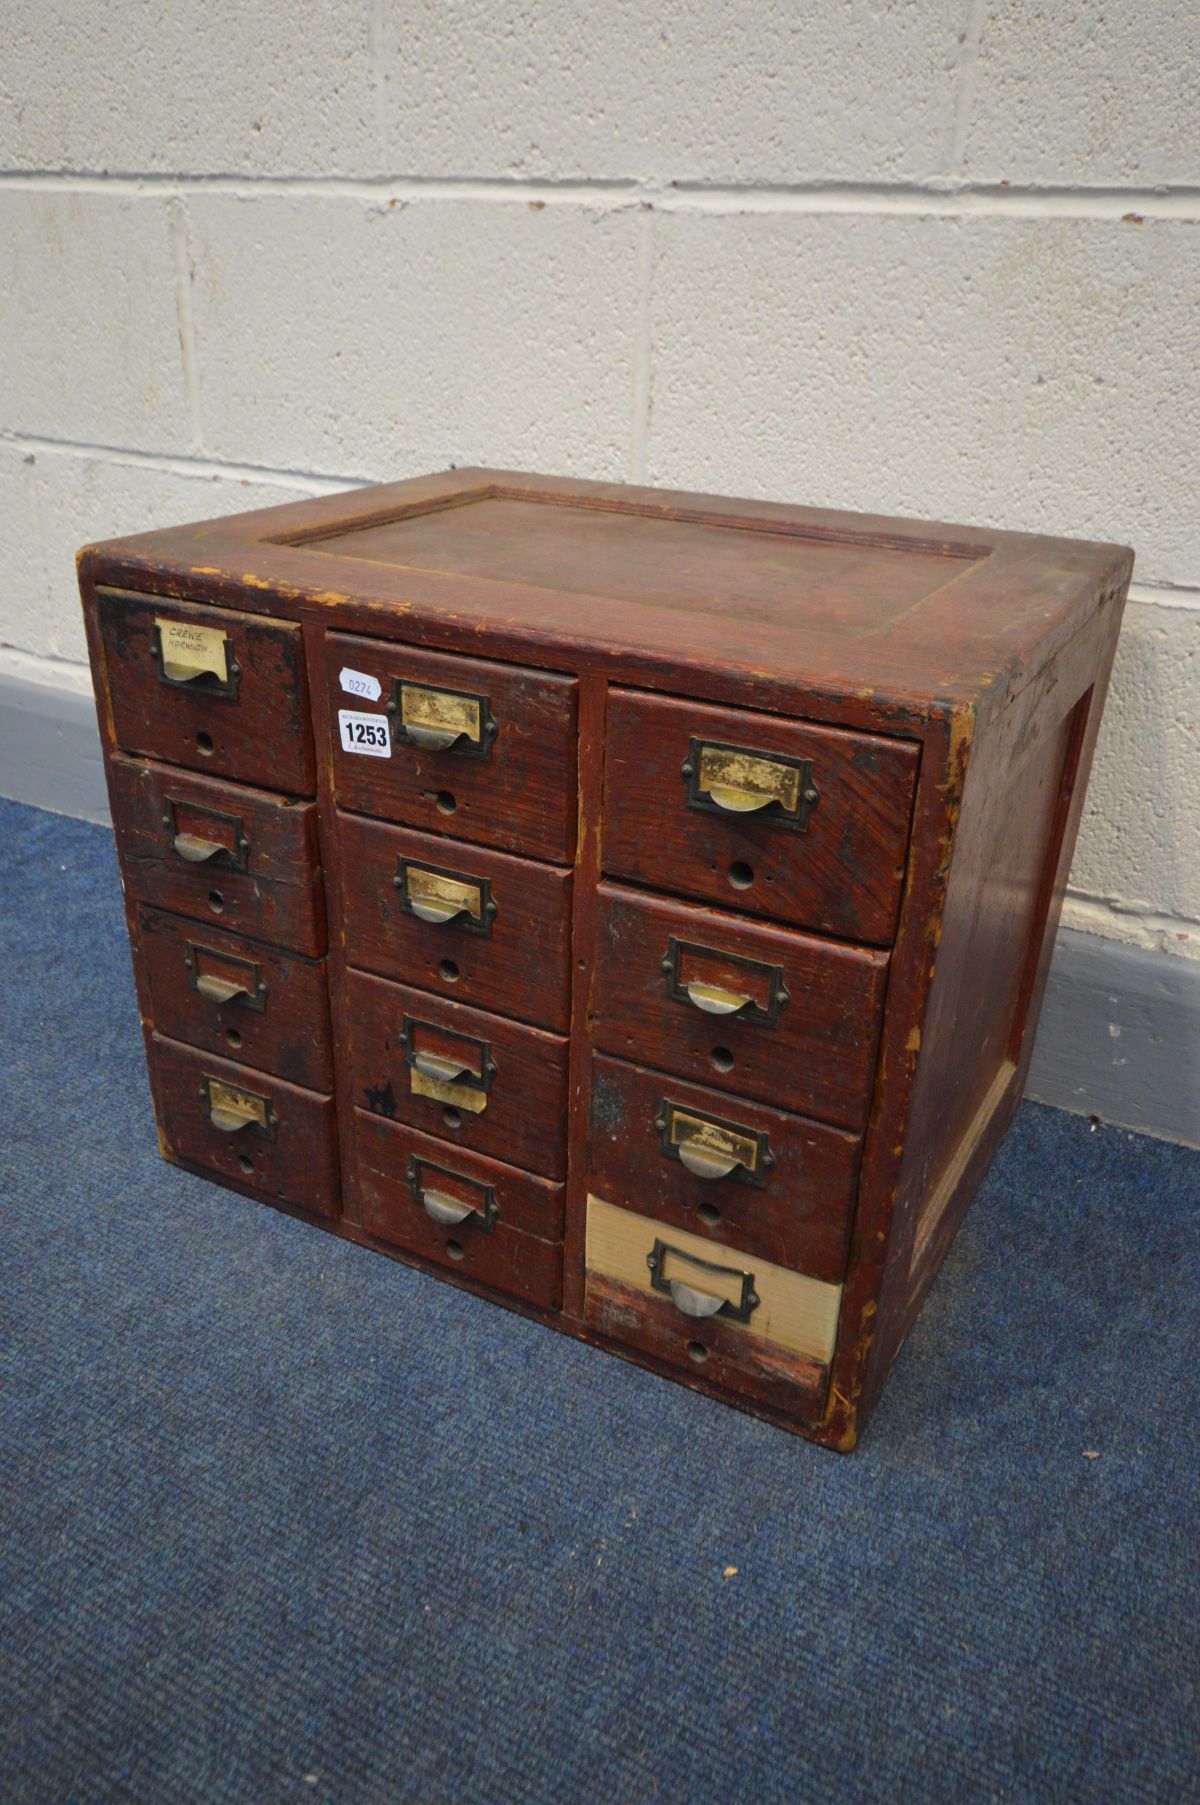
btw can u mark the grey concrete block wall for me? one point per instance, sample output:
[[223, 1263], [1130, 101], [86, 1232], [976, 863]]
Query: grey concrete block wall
[[942, 259]]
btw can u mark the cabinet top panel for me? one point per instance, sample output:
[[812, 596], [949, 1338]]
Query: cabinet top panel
[[916, 612]]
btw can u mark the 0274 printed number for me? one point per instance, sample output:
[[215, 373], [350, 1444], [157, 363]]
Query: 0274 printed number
[[365, 733]]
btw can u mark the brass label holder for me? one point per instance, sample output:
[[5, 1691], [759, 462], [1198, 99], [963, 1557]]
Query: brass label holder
[[231, 1108], [441, 720], [433, 894], [711, 1147], [738, 781], [196, 658], [215, 984], [444, 1078], [741, 1007], [446, 1208], [693, 1299]]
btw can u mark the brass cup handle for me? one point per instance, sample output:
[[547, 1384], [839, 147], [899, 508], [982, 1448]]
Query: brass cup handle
[[195, 849], [228, 1118], [713, 999], [220, 990], [436, 1065], [449, 1211], [432, 739], [427, 909], [703, 1163], [693, 1302], [737, 802]]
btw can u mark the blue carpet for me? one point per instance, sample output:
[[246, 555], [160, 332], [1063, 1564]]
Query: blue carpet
[[284, 1520]]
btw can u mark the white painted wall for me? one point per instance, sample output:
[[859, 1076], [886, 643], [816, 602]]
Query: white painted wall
[[940, 258]]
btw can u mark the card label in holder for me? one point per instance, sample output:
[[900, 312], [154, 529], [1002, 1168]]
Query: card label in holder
[[369, 734], [189, 651]]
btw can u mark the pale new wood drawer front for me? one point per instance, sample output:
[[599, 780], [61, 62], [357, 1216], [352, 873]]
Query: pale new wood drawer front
[[791, 1310], [775, 817]]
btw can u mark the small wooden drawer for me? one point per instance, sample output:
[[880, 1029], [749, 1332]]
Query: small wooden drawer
[[729, 1170], [764, 1012], [472, 1215], [471, 1079], [459, 746], [738, 1319], [808, 824], [219, 851], [208, 687], [479, 926], [238, 998], [246, 1127]]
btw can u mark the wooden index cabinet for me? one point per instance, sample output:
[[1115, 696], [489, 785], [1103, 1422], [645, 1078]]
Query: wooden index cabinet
[[632, 906]]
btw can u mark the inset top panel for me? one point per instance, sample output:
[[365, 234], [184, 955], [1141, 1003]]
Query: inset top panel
[[753, 570]]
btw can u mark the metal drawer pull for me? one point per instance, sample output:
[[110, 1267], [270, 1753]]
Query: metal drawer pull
[[231, 1109], [432, 739], [714, 1000], [693, 1302], [441, 720], [705, 1164], [195, 850], [436, 1065], [220, 990], [738, 802], [737, 780], [428, 908], [440, 1207]]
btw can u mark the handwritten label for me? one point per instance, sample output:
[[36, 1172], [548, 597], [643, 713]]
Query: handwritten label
[[190, 651], [358, 683]]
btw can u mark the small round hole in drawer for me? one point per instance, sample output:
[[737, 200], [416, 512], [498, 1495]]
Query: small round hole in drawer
[[204, 743], [454, 1249], [452, 1117], [216, 902], [245, 1162], [448, 969], [741, 875], [709, 1214], [233, 1037], [722, 1058], [447, 801], [697, 1352]]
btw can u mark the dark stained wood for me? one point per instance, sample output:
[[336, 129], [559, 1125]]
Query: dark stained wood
[[296, 1162], [817, 1058], [519, 796], [277, 897], [840, 875], [259, 735], [279, 1023], [973, 665], [520, 1252], [796, 1209], [740, 1363], [518, 966], [523, 1120]]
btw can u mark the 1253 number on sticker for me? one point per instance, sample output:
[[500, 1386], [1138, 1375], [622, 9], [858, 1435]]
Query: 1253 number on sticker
[[365, 733]]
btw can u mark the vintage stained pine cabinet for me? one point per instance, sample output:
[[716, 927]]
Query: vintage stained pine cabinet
[[633, 906]]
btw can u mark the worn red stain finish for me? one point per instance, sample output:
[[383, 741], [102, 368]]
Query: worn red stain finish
[[775, 806]]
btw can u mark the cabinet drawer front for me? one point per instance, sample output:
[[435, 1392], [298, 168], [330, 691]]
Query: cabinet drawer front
[[219, 852], [470, 1079], [482, 751], [654, 1288], [245, 1126], [414, 1193], [478, 926], [725, 1168], [807, 824], [761, 1012], [223, 692], [238, 998]]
